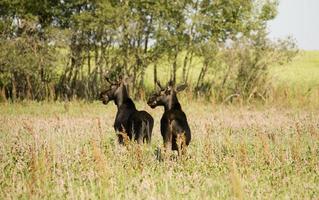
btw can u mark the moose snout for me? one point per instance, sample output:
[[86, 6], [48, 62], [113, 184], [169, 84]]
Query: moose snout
[[151, 102], [104, 99]]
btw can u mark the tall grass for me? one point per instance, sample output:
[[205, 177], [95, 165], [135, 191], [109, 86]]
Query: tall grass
[[50, 152]]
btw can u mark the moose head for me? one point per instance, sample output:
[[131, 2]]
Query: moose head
[[166, 96], [116, 90]]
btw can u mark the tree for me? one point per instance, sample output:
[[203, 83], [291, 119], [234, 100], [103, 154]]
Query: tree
[[65, 47]]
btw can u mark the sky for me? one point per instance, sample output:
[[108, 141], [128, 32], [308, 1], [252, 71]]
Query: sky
[[300, 19]]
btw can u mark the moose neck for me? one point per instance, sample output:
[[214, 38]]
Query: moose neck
[[121, 96], [172, 103]]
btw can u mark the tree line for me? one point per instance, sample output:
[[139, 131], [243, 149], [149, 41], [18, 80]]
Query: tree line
[[61, 49]]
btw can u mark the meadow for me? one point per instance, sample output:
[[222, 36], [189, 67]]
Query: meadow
[[69, 151], [302, 72]]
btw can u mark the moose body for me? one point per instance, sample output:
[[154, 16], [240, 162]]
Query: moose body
[[138, 125], [174, 125]]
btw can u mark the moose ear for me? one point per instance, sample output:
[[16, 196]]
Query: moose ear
[[181, 87]]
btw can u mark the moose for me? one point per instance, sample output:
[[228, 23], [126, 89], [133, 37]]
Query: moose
[[138, 125], [174, 125]]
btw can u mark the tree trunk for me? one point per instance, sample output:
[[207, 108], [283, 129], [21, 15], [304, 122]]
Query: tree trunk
[[3, 97], [101, 62], [14, 88], [29, 88], [185, 66], [189, 67], [155, 75], [226, 77], [175, 67], [51, 94], [89, 62], [202, 75]]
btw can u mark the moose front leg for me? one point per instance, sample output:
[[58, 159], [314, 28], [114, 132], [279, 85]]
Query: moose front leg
[[168, 141]]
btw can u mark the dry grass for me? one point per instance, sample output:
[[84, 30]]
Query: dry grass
[[58, 151]]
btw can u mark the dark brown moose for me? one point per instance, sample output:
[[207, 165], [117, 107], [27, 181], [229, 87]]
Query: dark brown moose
[[138, 125], [174, 123]]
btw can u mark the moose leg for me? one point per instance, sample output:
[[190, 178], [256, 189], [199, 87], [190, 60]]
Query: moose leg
[[148, 136], [168, 141], [174, 143], [149, 130], [180, 141], [146, 139], [120, 131], [146, 133], [139, 136], [120, 138], [138, 131]]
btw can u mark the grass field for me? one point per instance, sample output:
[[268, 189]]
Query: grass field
[[69, 151], [302, 72]]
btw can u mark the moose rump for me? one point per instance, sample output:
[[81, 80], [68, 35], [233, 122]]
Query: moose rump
[[175, 130], [140, 126]]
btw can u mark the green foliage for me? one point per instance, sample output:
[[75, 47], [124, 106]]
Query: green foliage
[[250, 62], [71, 44]]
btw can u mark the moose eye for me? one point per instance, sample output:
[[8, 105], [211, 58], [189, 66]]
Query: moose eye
[[167, 92]]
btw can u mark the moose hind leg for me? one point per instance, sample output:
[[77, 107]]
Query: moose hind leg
[[147, 133], [179, 142], [174, 143], [120, 138], [139, 132]]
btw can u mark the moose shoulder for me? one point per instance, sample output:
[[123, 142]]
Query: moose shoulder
[[138, 125], [174, 123]]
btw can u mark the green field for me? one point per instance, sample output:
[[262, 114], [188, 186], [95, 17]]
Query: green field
[[302, 72], [69, 151]]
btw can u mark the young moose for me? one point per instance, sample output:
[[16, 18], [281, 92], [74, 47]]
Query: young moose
[[174, 123], [138, 125]]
